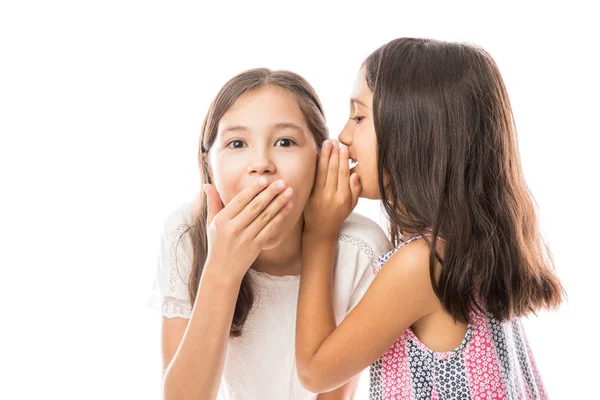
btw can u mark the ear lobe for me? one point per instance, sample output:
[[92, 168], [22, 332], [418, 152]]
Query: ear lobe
[[207, 167]]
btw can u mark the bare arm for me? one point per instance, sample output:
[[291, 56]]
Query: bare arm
[[194, 351], [322, 324], [328, 356], [204, 338], [400, 295], [346, 392]]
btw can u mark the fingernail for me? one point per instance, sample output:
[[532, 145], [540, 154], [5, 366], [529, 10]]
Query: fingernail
[[205, 188], [343, 148], [280, 184], [288, 192], [326, 144], [262, 181]]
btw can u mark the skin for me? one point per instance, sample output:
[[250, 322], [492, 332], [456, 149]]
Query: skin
[[359, 136], [263, 140], [401, 295], [265, 135]]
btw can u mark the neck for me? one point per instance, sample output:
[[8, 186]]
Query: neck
[[285, 259]]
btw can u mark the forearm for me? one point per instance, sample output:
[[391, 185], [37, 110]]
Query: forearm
[[345, 392], [195, 371], [315, 316]]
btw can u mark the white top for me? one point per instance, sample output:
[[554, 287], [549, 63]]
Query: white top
[[260, 364]]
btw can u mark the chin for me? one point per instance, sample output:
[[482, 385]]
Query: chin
[[273, 242], [282, 233], [366, 193], [370, 191]]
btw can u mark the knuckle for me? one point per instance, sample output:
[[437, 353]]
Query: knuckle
[[252, 245], [256, 206], [268, 231], [243, 242], [233, 229], [239, 199], [273, 190], [265, 217], [246, 196], [247, 199], [217, 221]]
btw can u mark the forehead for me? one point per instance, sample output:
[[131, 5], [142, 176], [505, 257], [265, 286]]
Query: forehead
[[266, 105], [360, 90]]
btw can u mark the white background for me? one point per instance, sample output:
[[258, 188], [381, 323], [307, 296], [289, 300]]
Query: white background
[[100, 111]]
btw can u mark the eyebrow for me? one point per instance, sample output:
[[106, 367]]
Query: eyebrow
[[235, 128], [276, 127], [287, 125], [355, 100]]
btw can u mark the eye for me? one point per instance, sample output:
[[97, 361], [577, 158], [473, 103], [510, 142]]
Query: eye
[[285, 142], [235, 144], [357, 119]]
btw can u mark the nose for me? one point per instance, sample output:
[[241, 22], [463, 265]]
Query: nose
[[261, 164], [345, 136]]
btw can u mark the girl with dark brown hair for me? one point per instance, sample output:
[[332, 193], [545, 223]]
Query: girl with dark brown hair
[[431, 133]]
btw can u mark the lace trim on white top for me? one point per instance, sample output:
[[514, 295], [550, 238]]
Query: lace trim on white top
[[358, 242], [171, 307], [174, 271], [362, 245]]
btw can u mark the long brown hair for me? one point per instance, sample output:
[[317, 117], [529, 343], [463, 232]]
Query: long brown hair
[[448, 161], [239, 85]]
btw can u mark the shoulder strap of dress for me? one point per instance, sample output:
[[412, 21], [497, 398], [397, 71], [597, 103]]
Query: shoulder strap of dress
[[407, 241]]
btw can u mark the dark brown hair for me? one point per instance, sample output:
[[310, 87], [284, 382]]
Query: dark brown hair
[[239, 85], [448, 160]]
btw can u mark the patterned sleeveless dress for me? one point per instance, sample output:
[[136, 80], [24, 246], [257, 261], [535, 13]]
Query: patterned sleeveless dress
[[493, 361]]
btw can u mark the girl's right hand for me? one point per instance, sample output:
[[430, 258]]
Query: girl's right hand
[[238, 232]]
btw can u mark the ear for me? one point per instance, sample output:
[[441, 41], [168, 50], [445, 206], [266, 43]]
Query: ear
[[207, 167]]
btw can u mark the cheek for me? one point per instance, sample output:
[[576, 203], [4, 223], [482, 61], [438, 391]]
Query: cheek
[[367, 143], [227, 176], [300, 175]]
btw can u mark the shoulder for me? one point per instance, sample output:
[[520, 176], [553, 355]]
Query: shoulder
[[412, 261], [175, 260], [178, 220], [363, 233], [177, 246], [359, 244]]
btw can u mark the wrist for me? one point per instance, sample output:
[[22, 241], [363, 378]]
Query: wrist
[[318, 239], [322, 225], [219, 274]]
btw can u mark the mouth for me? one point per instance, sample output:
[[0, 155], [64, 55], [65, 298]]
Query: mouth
[[352, 163]]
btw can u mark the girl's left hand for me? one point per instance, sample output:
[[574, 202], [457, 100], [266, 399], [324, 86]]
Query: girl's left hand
[[334, 194]]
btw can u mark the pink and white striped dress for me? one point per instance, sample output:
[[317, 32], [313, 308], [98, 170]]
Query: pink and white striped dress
[[493, 361]]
